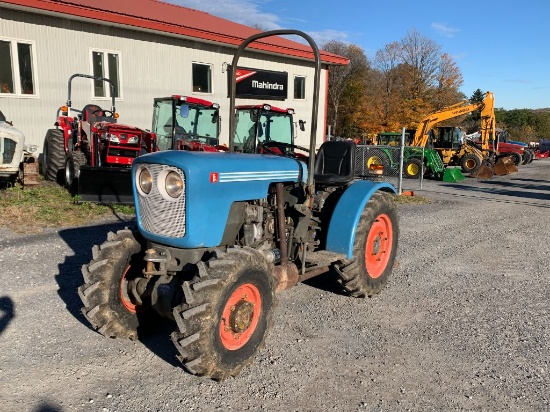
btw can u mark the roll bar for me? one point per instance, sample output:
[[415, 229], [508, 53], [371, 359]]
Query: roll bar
[[315, 108], [87, 76]]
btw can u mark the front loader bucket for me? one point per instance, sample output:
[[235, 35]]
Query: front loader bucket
[[485, 171], [505, 166], [105, 185], [452, 174]]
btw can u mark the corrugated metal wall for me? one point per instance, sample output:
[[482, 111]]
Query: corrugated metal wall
[[151, 66]]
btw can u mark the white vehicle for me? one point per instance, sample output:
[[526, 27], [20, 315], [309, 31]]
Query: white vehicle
[[18, 163]]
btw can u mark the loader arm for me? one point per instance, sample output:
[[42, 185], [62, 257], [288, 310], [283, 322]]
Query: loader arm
[[487, 120]]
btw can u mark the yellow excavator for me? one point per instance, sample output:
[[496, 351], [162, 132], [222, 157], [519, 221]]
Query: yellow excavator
[[455, 150]]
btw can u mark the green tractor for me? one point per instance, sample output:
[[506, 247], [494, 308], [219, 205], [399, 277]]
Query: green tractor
[[416, 161]]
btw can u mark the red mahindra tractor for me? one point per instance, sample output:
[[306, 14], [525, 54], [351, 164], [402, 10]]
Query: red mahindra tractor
[[186, 123], [91, 153], [265, 128]]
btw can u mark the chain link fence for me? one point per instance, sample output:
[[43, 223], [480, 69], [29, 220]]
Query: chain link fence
[[401, 166]]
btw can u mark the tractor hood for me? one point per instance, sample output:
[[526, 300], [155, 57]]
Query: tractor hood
[[12, 142], [222, 178], [6, 130]]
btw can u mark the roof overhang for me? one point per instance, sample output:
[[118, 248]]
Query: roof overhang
[[72, 10]]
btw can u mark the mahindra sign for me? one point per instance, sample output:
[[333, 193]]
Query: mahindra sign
[[261, 84]]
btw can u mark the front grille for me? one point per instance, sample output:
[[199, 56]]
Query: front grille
[[123, 152], [8, 150], [159, 215]]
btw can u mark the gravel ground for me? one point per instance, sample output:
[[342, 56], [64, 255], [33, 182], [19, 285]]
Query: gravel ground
[[462, 325]]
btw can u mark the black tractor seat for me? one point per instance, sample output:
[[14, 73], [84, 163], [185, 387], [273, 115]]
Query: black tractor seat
[[99, 116], [335, 163]]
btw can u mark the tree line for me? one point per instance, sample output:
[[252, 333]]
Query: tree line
[[405, 81]]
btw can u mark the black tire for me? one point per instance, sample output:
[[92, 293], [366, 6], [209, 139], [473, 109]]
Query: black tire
[[73, 163], [470, 163], [106, 303], [374, 248], [516, 158], [207, 349], [413, 168], [378, 157], [53, 155], [527, 157]]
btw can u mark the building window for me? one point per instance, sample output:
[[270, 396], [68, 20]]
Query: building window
[[106, 64], [17, 67], [299, 87], [202, 78]]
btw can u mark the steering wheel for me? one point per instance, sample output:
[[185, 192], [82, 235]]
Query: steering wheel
[[283, 149], [102, 113]]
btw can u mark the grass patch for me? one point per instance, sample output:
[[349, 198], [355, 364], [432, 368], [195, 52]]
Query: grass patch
[[411, 200], [48, 205]]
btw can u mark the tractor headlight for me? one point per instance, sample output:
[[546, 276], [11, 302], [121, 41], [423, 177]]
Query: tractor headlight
[[31, 148], [144, 181], [133, 140], [173, 185], [113, 138]]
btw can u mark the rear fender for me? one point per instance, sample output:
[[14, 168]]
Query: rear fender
[[345, 218]]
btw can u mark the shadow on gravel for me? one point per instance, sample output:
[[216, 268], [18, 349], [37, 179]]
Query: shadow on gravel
[[81, 240], [327, 282], [520, 194], [47, 407], [535, 186], [7, 312]]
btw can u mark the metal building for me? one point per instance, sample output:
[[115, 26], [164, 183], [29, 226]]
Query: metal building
[[149, 49]]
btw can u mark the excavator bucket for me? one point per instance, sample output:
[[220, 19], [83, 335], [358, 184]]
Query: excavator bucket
[[452, 174], [485, 171], [505, 166]]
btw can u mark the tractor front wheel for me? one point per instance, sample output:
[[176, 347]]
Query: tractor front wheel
[[374, 248], [107, 303], [72, 170], [225, 314], [413, 168], [528, 156], [53, 154], [470, 163]]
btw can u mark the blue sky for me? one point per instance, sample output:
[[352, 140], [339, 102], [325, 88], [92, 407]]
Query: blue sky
[[499, 46]]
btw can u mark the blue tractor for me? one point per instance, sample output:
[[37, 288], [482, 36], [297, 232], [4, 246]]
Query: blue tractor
[[221, 233]]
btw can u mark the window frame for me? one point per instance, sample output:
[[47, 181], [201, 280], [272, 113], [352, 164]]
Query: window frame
[[120, 84], [304, 87], [211, 80], [16, 75]]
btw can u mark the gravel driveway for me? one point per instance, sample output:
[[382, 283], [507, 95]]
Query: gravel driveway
[[462, 325]]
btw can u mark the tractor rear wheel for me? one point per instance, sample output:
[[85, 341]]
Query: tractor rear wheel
[[377, 157], [53, 154], [107, 304], [225, 313], [470, 163], [413, 168], [527, 157], [374, 248], [72, 170], [516, 158]]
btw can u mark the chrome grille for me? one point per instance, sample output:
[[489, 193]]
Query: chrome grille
[[7, 150], [158, 215]]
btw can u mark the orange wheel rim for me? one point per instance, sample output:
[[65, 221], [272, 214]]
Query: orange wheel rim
[[378, 246], [124, 298], [240, 316]]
